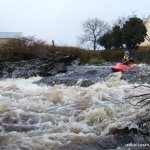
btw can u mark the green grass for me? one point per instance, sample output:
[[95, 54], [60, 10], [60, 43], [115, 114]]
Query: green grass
[[95, 61]]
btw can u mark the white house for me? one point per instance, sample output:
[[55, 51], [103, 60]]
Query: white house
[[146, 43]]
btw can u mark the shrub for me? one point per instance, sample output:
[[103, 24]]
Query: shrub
[[22, 49], [95, 61], [112, 55], [28, 48]]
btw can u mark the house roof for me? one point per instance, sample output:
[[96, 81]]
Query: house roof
[[5, 35]]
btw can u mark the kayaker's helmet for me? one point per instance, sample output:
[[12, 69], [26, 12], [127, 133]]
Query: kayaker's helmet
[[126, 52]]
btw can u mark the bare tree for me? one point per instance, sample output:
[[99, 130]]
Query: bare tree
[[121, 21], [92, 30]]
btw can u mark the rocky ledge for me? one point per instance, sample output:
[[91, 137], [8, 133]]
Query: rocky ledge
[[44, 66], [87, 75]]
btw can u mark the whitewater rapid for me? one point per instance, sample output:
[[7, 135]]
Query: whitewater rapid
[[35, 117]]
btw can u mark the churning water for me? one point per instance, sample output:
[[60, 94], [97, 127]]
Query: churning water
[[39, 117]]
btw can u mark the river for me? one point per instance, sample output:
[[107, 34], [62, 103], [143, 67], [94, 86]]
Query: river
[[53, 117]]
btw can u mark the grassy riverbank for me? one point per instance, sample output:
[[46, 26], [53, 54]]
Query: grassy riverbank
[[24, 49]]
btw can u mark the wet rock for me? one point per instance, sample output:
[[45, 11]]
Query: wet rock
[[139, 74], [49, 65], [126, 136], [78, 75], [54, 69], [84, 83]]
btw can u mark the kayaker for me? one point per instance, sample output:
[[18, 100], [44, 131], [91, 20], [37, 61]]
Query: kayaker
[[126, 58]]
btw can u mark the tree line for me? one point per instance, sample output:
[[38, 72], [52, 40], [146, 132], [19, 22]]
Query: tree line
[[125, 33]]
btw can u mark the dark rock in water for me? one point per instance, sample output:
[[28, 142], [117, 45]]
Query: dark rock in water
[[55, 68], [139, 74], [87, 75], [64, 69], [131, 139], [79, 75], [126, 136], [49, 65], [86, 83]]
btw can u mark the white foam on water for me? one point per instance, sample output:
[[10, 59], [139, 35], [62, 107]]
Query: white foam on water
[[54, 115]]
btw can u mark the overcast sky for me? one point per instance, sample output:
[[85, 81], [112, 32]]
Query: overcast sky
[[60, 20]]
